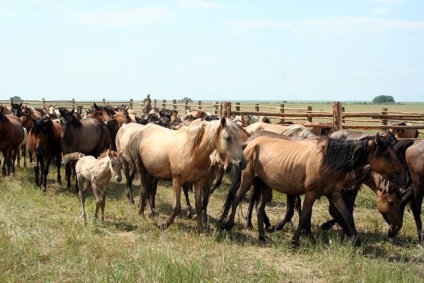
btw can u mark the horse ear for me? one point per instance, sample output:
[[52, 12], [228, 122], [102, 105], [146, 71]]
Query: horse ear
[[223, 121], [108, 152], [72, 111], [95, 106]]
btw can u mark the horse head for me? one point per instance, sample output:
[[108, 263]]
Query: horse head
[[115, 163], [228, 144], [383, 159]]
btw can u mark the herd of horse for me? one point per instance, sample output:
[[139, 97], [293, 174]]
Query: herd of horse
[[290, 159]]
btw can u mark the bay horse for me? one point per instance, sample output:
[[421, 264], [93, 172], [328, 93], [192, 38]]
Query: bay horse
[[183, 156], [314, 167], [88, 136], [44, 143], [97, 174], [12, 135], [414, 157]]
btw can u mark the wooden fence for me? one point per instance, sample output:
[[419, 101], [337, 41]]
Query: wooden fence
[[337, 118]]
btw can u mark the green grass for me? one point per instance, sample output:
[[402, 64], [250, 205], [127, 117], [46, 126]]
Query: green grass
[[42, 239]]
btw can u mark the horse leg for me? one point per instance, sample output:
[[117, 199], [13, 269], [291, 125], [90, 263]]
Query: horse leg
[[97, 196], [103, 195], [416, 204], [305, 216], [176, 186], [253, 200], [186, 189], [58, 163], [129, 176], [291, 203], [337, 199], [219, 177], [80, 185], [265, 197], [68, 172], [246, 180], [43, 176], [198, 191], [349, 197]]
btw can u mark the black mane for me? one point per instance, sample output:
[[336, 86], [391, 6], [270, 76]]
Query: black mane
[[346, 155]]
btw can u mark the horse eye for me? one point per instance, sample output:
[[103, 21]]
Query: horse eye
[[227, 138]]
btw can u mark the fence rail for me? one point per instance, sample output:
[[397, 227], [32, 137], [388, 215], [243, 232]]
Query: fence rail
[[337, 118]]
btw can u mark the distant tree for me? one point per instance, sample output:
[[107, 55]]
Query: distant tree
[[383, 99], [16, 99], [184, 99]]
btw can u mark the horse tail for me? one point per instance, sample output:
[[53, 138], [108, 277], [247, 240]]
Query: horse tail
[[74, 156], [235, 185]]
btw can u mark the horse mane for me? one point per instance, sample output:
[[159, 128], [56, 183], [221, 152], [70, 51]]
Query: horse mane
[[43, 124], [208, 131], [74, 120], [346, 155], [300, 130]]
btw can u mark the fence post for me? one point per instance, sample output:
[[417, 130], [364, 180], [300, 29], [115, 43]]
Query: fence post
[[174, 104], [73, 103], [11, 101], [238, 106], [337, 116], [131, 103], [216, 108], [257, 107], [43, 102], [384, 113], [104, 102], [225, 109], [309, 110], [200, 104], [186, 105], [155, 102], [282, 112], [163, 103]]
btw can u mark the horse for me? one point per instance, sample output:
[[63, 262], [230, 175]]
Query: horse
[[88, 136], [45, 144], [12, 135], [405, 133], [97, 173], [311, 167], [182, 156], [389, 200], [414, 194]]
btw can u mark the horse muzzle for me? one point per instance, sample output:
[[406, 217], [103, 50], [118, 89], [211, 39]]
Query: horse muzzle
[[118, 178], [393, 230], [240, 164]]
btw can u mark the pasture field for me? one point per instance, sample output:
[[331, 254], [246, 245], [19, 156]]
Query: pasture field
[[42, 239]]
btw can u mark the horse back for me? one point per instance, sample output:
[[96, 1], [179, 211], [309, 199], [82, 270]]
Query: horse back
[[289, 166]]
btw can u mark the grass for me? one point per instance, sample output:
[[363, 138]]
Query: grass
[[43, 240]]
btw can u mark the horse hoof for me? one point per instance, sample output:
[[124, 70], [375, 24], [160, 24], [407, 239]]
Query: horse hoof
[[264, 238], [326, 226], [270, 229], [249, 226], [295, 244]]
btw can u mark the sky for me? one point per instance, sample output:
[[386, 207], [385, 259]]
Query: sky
[[283, 50]]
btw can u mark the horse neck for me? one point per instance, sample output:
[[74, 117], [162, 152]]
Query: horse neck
[[207, 144], [104, 166]]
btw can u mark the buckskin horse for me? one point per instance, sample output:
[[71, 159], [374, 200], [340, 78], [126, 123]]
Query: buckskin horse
[[183, 156], [87, 136], [314, 167], [44, 143]]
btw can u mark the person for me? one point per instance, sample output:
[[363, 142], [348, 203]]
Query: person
[[147, 102]]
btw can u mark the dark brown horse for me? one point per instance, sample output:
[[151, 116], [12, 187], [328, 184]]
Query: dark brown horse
[[313, 168], [87, 136], [11, 137], [44, 142]]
